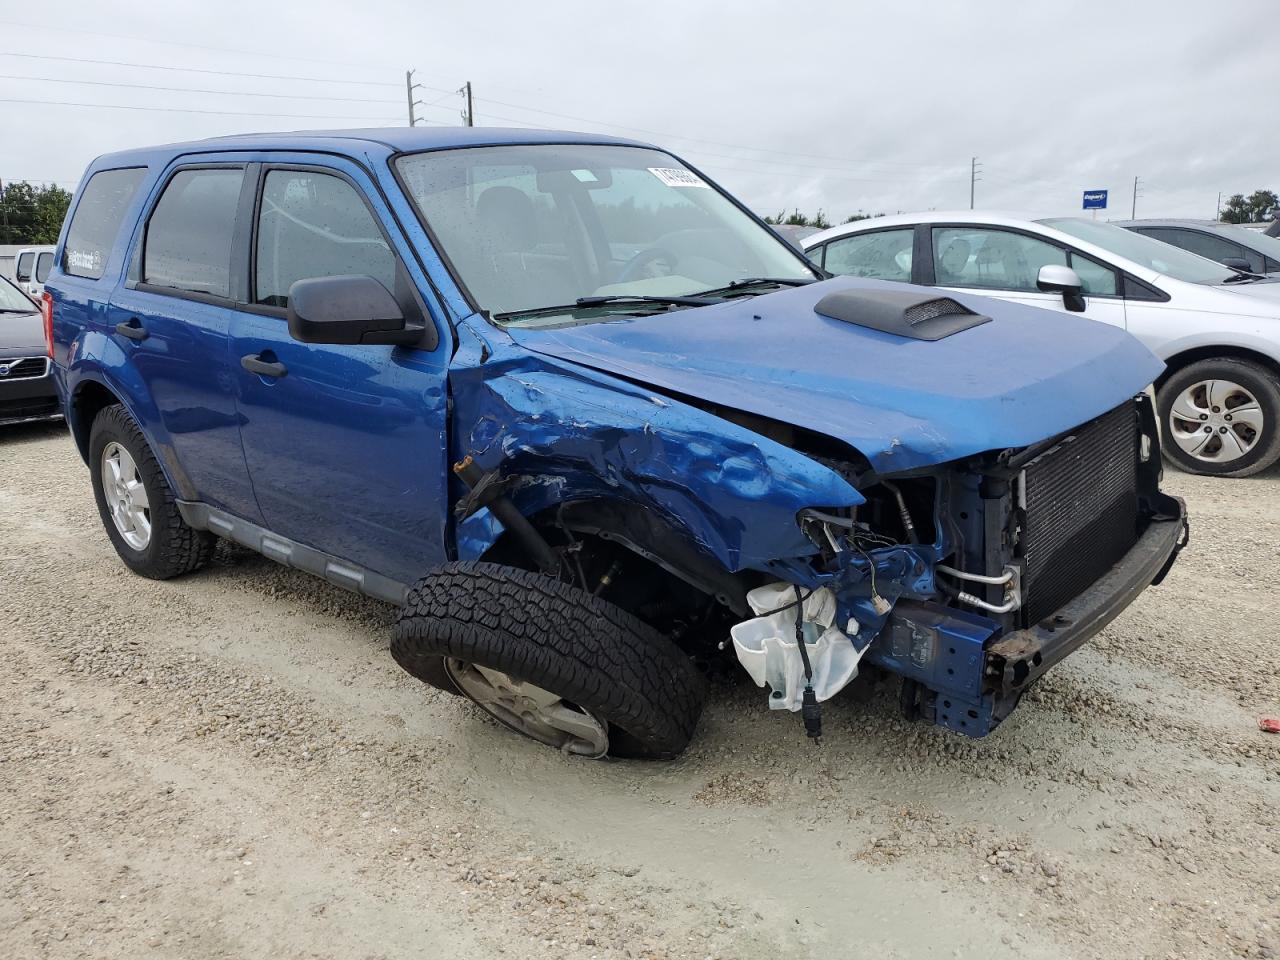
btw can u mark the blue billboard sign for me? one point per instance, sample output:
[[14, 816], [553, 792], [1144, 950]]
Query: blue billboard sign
[[1095, 200]]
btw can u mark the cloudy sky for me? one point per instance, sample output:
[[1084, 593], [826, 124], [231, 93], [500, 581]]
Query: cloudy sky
[[850, 106]]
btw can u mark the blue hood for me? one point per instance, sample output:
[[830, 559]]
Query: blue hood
[[1023, 377]]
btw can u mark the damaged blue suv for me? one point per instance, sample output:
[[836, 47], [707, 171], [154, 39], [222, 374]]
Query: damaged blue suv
[[595, 428]]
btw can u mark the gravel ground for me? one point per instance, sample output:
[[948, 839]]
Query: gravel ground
[[230, 765]]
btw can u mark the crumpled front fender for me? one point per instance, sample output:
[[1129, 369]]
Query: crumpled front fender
[[572, 434]]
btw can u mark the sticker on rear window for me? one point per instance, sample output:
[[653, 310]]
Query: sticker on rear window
[[673, 177]]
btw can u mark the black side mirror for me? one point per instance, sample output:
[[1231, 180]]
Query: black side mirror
[[1237, 263], [347, 310], [1055, 278]]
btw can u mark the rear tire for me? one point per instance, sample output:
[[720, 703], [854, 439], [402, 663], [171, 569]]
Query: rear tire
[[1220, 418], [169, 548], [471, 621]]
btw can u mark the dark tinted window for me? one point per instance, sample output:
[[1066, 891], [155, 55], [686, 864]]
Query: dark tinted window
[[96, 222], [315, 225], [44, 263], [817, 253], [1272, 265], [188, 242], [1203, 244], [24, 265]]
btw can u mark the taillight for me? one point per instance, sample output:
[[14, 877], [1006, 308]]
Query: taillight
[[46, 310]]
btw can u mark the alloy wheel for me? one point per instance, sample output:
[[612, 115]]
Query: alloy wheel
[[126, 496], [538, 714]]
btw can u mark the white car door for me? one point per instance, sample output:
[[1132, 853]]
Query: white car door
[[1005, 263]]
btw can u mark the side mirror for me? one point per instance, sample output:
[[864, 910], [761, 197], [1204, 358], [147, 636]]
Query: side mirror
[[346, 310], [1055, 278], [1237, 263]]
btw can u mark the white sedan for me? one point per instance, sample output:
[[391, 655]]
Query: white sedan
[[1216, 329]]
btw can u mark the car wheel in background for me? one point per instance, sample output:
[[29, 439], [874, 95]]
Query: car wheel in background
[[1221, 418], [135, 502], [550, 661]]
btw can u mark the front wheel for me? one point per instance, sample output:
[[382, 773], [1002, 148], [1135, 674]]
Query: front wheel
[[550, 661], [1221, 418]]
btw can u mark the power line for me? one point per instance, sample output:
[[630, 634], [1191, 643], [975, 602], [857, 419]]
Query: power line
[[62, 28], [230, 93], [219, 113], [973, 179], [219, 73]]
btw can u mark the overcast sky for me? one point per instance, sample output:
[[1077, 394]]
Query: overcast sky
[[849, 106]]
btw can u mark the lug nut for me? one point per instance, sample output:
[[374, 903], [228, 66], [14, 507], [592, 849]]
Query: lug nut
[[1227, 418], [1222, 429], [1204, 416], [1217, 409], [1208, 429]]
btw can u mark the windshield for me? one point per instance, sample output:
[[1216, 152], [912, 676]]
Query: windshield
[[1254, 239], [527, 227], [1155, 255], [11, 298]]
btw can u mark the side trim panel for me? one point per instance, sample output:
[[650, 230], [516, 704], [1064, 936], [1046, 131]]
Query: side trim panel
[[339, 572]]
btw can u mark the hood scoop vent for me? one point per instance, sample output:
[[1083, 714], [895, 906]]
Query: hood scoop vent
[[903, 313]]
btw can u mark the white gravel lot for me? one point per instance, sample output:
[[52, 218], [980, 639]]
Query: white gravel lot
[[230, 765]]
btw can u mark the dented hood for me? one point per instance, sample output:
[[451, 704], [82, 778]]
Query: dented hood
[[1025, 376]]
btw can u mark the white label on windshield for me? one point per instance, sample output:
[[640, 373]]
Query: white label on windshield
[[585, 176], [677, 178]]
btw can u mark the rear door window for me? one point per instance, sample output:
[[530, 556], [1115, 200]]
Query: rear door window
[[315, 225], [883, 254], [44, 263], [96, 221], [188, 240], [24, 266]]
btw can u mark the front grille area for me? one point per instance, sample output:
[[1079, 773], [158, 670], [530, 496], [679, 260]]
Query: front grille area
[[1081, 511], [29, 408], [24, 368]]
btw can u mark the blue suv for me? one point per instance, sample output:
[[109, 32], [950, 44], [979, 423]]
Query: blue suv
[[596, 429]]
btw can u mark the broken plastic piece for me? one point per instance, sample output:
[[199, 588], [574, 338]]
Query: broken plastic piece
[[1269, 724], [767, 648]]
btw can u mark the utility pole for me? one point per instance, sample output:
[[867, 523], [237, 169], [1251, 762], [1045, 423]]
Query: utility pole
[[973, 178], [1218, 213], [1133, 214], [5, 207], [409, 87], [468, 115]]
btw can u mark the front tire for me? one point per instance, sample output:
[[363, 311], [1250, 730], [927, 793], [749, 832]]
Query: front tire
[[136, 504], [1221, 418], [550, 661]]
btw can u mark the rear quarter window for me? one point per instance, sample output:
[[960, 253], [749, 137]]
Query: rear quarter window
[[96, 221]]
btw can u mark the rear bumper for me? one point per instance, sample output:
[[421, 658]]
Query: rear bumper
[[1017, 659]]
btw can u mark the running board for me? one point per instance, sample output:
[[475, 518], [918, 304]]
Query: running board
[[341, 573]]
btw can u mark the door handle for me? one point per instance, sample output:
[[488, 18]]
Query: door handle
[[254, 363], [132, 328]]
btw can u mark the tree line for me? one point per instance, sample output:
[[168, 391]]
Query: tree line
[[819, 220], [1258, 207], [31, 214]]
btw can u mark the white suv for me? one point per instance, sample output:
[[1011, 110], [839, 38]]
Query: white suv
[[31, 268], [1217, 329]]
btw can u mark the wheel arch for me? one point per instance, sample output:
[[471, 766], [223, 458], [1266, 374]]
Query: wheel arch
[[90, 398], [1184, 358]]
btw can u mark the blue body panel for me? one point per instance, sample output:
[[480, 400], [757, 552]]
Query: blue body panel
[[1026, 375]]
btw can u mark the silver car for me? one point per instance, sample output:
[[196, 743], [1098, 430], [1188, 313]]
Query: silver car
[[1218, 330]]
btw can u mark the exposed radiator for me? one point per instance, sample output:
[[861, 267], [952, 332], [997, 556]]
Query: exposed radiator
[[1081, 511]]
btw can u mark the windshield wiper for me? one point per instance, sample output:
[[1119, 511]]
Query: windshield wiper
[[34, 309], [620, 299], [1243, 277], [757, 282]]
